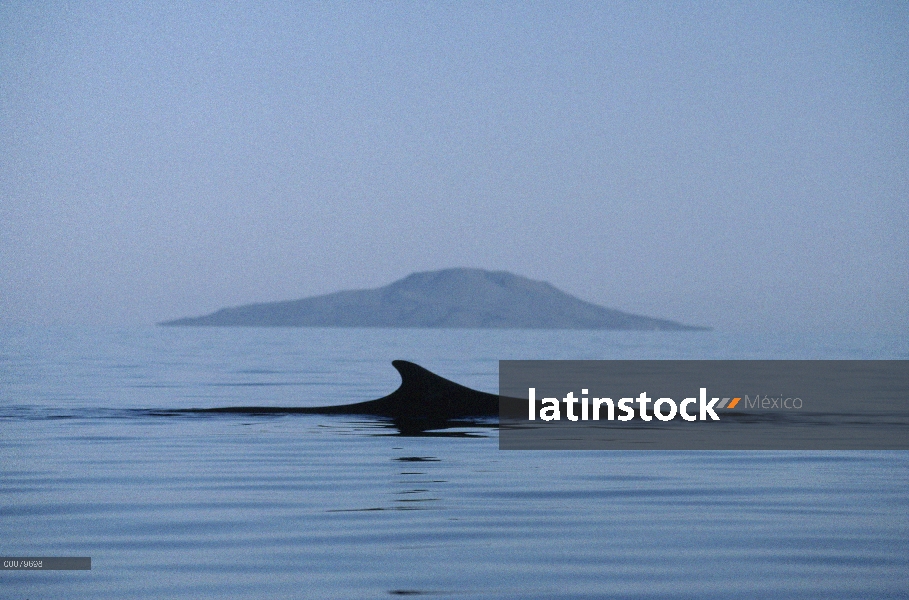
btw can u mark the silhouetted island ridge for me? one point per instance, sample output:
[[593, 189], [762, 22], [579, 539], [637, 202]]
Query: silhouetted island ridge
[[451, 298]]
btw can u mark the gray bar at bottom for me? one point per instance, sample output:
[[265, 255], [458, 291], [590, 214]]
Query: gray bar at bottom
[[46, 563]]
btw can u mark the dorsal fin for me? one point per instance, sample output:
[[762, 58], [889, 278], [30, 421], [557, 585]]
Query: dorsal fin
[[422, 392]]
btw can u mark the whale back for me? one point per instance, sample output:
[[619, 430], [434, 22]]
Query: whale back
[[423, 401]]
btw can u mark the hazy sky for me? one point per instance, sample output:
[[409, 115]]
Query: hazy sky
[[744, 166]]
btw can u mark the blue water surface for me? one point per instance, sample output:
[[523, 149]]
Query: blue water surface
[[341, 507]]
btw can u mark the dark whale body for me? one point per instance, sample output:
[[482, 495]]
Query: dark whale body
[[423, 401]]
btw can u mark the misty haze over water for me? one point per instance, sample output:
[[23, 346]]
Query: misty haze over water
[[738, 167]]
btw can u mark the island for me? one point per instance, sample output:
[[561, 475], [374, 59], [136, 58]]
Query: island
[[451, 298]]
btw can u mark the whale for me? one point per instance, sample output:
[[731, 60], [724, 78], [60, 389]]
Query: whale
[[424, 401]]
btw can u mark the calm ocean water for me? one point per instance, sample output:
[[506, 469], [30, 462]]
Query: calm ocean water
[[340, 507]]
